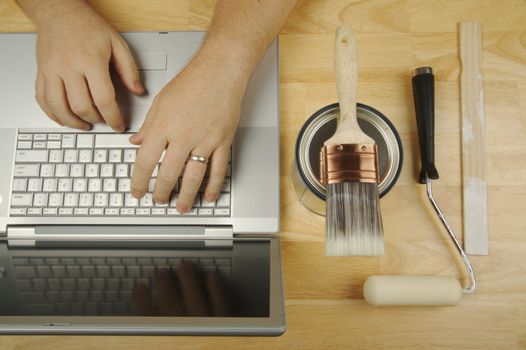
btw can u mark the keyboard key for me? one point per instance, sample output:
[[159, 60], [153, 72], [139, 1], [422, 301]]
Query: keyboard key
[[207, 204], [226, 185], [40, 199], [31, 156], [25, 137], [142, 211], [62, 170], [49, 185], [47, 170], [21, 199], [92, 170], [19, 185], [94, 185], [71, 199], [127, 211], [151, 184], [101, 156], [222, 212], [71, 156], [106, 170], [124, 185], [39, 144], [172, 212], [17, 211], [56, 200], [65, 211], [26, 170], [85, 141], [56, 156], [121, 170], [65, 185], [34, 185], [40, 137], [68, 140], [113, 141], [116, 200], [25, 271], [129, 155], [86, 200], [24, 145], [34, 211], [85, 156], [223, 200], [54, 137], [77, 170], [146, 200], [192, 212], [111, 211], [50, 211], [101, 200], [80, 211], [159, 211], [110, 185], [130, 201], [96, 211], [115, 156], [205, 212], [80, 185], [53, 144]]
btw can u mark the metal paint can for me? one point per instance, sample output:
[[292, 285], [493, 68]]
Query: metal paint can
[[320, 127]]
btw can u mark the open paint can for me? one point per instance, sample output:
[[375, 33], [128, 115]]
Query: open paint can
[[319, 128]]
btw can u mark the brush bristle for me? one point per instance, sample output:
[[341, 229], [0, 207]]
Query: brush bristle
[[354, 221]]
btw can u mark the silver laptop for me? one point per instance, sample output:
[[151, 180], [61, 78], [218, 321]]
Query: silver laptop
[[78, 254]]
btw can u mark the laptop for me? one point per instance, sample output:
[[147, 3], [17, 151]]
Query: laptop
[[79, 255]]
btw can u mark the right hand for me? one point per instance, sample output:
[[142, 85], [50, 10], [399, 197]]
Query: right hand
[[73, 85]]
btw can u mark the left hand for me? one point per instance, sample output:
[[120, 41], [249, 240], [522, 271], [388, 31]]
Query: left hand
[[194, 114]]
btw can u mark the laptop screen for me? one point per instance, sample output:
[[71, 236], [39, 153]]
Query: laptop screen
[[194, 281]]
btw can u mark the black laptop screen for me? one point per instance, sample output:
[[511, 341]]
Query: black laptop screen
[[217, 281]]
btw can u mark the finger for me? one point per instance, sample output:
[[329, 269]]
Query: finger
[[126, 67], [215, 285], [147, 157], [142, 301], [103, 95], [169, 298], [80, 101], [137, 138], [193, 293], [58, 105], [192, 178], [169, 171], [218, 168], [40, 96]]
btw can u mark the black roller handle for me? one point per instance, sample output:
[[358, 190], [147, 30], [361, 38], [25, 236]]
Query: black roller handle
[[424, 96]]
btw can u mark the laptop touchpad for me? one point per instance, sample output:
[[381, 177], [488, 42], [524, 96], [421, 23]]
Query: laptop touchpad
[[152, 68]]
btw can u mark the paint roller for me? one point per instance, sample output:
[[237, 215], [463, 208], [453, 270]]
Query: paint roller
[[422, 290]]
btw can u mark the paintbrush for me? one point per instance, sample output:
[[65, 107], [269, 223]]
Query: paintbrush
[[349, 167]]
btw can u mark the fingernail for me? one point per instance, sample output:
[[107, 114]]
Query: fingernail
[[120, 128], [211, 197], [182, 209], [137, 194], [138, 86]]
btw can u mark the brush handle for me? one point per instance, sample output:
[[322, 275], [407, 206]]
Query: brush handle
[[424, 97], [346, 67]]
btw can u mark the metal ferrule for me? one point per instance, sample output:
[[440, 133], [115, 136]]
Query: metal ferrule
[[349, 162]]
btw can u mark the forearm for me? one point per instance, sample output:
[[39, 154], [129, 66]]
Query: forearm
[[240, 33], [44, 13]]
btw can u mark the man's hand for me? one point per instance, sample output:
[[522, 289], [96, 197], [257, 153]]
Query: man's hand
[[195, 114], [75, 48]]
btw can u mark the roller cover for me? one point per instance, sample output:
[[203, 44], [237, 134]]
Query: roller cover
[[412, 290]]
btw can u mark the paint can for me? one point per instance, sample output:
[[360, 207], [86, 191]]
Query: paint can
[[320, 127]]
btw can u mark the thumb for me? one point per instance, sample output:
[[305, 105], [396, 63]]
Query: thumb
[[126, 67]]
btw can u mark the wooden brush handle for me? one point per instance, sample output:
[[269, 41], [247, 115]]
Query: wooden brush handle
[[346, 67]]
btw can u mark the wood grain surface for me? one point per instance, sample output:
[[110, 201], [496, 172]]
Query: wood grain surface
[[325, 309]]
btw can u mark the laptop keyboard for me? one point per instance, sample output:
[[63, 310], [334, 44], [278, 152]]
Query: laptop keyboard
[[96, 285], [89, 174]]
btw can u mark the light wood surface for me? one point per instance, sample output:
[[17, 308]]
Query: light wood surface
[[324, 302], [475, 194]]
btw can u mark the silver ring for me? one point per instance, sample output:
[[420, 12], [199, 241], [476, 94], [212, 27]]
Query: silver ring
[[199, 159]]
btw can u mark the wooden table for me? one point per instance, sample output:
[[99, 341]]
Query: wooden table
[[325, 308]]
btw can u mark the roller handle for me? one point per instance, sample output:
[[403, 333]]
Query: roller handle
[[424, 97]]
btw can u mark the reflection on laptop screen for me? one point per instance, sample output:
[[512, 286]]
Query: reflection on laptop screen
[[217, 282]]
